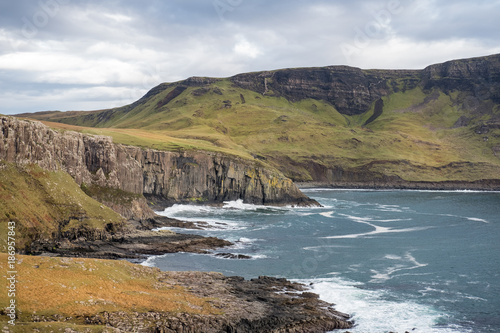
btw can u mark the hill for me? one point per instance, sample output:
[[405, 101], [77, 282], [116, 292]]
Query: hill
[[334, 125]]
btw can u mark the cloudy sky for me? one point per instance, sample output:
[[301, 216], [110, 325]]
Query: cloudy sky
[[92, 54]]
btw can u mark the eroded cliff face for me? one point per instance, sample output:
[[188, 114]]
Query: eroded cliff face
[[352, 90], [167, 177]]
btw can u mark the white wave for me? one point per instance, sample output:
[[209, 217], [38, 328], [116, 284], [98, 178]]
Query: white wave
[[392, 220], [476, 219], [240, 205], [408, 262], [305, 214], [378, 230], [323, 247], [185, 209], [150, 261], [213, 216], [327, 214], [259, 256], [392, 257], [372, 310], [247, 240], [389, 208]]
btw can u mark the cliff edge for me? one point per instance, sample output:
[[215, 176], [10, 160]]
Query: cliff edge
[[161, 176]]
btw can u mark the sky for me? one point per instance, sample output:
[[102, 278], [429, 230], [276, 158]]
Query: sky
[[91, 54]]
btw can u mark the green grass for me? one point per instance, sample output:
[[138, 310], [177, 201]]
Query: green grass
[[39, 201], [416, 126]]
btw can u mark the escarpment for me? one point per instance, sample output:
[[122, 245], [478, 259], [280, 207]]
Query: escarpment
[[353, 90], [438, 127], [162, 176]]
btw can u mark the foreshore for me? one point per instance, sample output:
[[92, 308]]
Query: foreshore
[[207, 302]]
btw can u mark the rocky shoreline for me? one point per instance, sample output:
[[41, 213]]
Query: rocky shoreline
[[259, 305], [264, 304], [136, 242]]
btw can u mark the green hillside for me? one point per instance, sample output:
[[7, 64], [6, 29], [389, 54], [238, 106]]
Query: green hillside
[[418, 126], [45, 205]]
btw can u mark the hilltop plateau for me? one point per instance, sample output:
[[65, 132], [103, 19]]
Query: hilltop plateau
[[339, 126]]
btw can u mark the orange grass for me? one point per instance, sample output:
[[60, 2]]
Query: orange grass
[[78, 287]]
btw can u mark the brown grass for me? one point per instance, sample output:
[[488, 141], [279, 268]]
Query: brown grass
[[79, 287]]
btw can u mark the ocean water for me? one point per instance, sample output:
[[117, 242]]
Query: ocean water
[[416, 261]]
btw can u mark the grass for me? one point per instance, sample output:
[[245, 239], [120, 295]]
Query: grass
[[416, 127], [39, 201], [75, 288]]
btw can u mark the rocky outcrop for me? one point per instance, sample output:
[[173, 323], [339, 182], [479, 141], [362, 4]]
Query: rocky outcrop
[[165, 177], [260, 305], [130, 244], [480, 76], [353, 91]]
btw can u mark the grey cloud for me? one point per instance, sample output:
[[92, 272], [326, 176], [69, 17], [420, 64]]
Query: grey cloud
[[134, 45]]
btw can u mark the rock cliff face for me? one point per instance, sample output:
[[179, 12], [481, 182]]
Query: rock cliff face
[[480, 76], [167, 177], [352, 90]]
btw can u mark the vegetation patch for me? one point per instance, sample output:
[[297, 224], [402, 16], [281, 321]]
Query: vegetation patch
[[74, 289], [44, 204]]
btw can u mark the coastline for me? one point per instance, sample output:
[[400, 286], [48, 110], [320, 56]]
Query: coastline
[[263, 304], [486, 185], [145, 299]]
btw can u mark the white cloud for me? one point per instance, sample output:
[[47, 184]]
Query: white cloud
[[118, 17], [77, 99], [244, 48], [390, 53], [134, 46]]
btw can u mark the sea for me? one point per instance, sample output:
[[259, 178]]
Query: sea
[[396, 261]]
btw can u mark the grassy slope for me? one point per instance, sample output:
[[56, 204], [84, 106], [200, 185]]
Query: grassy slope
[[38, 201], [79, 287], [412, 128]]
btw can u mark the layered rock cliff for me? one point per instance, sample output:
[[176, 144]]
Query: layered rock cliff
[[334, 125], [167, 177], [353, 91]]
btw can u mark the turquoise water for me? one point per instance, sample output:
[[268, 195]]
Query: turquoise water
[[421, 261]]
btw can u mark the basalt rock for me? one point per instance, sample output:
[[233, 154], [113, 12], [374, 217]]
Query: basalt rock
[[265, 305], [353, 90], [162, 176]]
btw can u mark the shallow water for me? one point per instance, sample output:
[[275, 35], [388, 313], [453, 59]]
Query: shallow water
[[425, 261]]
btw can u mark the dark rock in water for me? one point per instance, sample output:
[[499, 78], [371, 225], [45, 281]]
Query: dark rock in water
[[232, 256], [135, 244]]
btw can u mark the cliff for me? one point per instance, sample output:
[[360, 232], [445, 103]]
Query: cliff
[[351, 90], [166, 177], [334, 125]]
